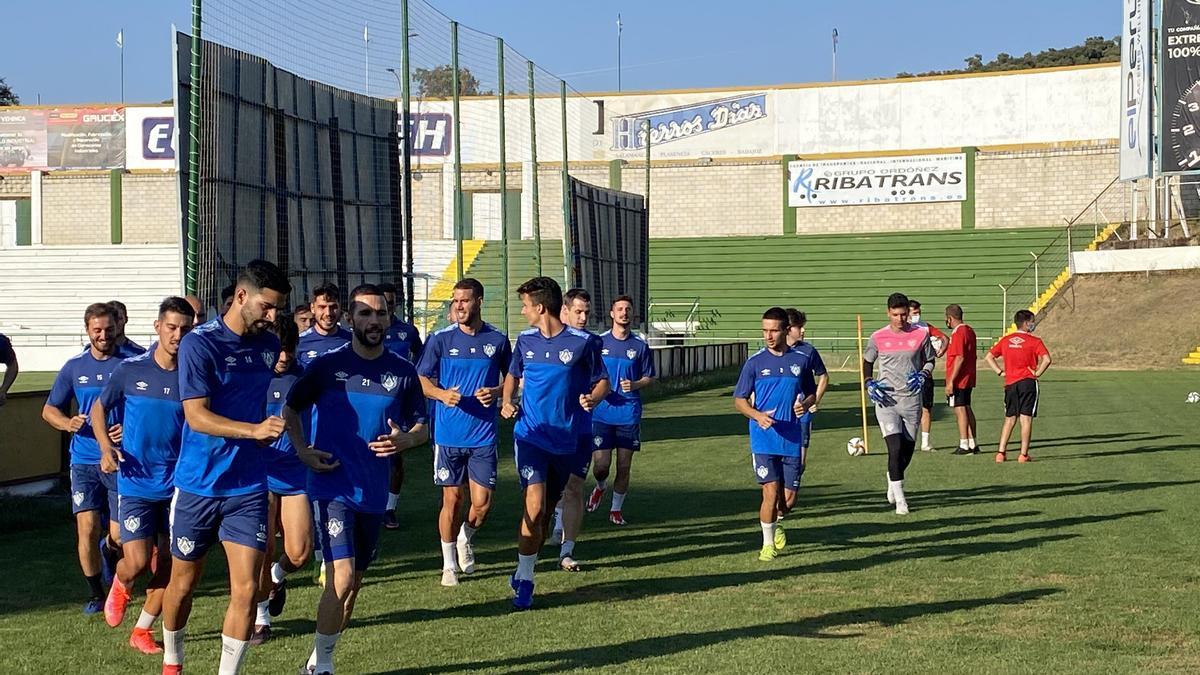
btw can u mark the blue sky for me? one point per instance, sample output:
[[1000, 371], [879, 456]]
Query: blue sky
[[65, 51]]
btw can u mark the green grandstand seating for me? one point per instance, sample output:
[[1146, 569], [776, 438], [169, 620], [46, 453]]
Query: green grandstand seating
[[830, 277]]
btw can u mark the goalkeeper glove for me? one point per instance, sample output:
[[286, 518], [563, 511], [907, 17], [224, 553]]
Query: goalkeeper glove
[[916, 381], [879, 392]]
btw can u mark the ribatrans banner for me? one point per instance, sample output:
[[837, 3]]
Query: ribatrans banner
[[1136, 101], [1179, 60], [877, 180]]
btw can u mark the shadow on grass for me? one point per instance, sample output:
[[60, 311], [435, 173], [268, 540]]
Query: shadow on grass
[[824, 626]]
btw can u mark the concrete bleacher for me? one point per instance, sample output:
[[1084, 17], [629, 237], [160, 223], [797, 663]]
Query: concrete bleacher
[[831, 277]]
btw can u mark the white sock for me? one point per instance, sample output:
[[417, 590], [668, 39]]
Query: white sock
[[525, 565], [971, 440], [466, 533], [568, 547], [324, 651], [312, 660], [277, 573], [602, 485], [962, 443], [173, 647], [768, 534], [618, 500], [449, 556], [924, 439], [146, 620], [898, 489], [393, 497], [233, 652], [262, 616]]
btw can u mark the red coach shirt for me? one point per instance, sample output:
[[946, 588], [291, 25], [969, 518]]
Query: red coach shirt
[[1020, 351], [962, 346]]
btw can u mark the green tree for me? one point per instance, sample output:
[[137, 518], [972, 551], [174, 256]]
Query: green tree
[[438, 82], [7, 95], [1095, 49]]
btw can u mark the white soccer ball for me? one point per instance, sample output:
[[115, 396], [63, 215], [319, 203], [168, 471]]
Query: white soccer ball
[[1193, 397], [856, 447]]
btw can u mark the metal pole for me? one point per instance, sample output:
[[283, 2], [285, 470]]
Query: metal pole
[[122, 65], [458, 208], [406, 162], [647, 172], [568, 249], [1037, 286], [193, 200], [503, 188], [1004, 309], [537, 225], [618, 51]]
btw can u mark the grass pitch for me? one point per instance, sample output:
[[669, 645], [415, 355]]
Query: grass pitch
[[1083, 561]]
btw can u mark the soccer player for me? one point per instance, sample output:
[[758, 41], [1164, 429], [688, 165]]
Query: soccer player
[[403, 338], [940, 343], [227, 297], [770, 392], [125, 346], [906, 356], [198, 308], [93, 491], [288, 509], [1025, 360], [303, 317], [326, 333], [461, 370], [616, 424], [816, 382], [960, 378], [362, 394], [143, 391], [563, 378], [568, 515], [8, 357], [225, 369]]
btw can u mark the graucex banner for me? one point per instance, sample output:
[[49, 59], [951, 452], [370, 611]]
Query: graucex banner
[[877, 180]]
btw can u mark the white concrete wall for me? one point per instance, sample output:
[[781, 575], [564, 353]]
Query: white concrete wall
[[1136, 260]]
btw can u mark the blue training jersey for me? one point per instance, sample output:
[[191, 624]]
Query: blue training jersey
[[233, 372], [404, 339], [452, 358], [147, 399], [557, 371], [82, 378], [6, 349], [816, 367], [628, 359], [774, 381], [277, 395], [313, 344], [357, 396], [130, 349]]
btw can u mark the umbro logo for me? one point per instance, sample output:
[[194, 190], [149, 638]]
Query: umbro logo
[[83, 379], [1016, 341], [341, 375], [766, 372], [454, 352], [604, 352], [311, 354], [529, 355], [141, 386], [230, 360]]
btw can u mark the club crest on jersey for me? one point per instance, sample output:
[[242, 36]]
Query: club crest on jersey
[[598, 441], [141, 386], [268, 358], [527, 472], [565, 356], [795, 369], [83, 379], [77, 497], [132, 523], [454, 351], [185, 545], [403, 335], [630, 353], [334, 527], [489, 350], [389, 381], [443, 474], [761, 471]]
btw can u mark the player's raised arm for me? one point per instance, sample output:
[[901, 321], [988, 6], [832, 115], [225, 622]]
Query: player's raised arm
[[599, 377], [742, 392], [197, 379], [58, 402]]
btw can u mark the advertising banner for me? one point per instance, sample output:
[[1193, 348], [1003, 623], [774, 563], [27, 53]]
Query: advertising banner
[[692, 125], [1136, 116], [150, 141], [85, 138], [1179, 61], [22, 140], [877, 180]]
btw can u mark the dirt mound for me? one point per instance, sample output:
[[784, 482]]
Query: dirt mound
[[1125, 321]]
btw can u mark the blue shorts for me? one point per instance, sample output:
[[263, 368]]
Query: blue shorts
[[93, 490], [452, 465], [806, 422], [143, 518], [773, 468], [610, 436], [199, 522], [536, 465], [344, 532], [286, 476]]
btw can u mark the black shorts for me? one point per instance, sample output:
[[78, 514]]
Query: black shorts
[[1021, 398], [927, 394], [961, 398]]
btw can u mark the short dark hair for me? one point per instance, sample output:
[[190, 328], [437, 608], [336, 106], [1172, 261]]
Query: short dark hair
[[228, 291], [796, 317], [99, 309], [470, 284], [1022, 316], [176, 304], [954, 312], [119, 308], [776, 314], [260, 274], [897, 300], [287, 331], [364, 289], [327, 290], [543, 291], [620, 298], [913, 304], [303, 307], [387, 287], [577, 294]]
